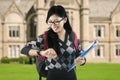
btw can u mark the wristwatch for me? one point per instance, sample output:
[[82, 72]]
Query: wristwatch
[[38, 52]]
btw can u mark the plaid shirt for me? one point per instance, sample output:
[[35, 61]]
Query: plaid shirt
[[67, 52]]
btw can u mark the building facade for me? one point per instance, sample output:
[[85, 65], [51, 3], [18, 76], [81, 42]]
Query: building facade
[[90, 19]]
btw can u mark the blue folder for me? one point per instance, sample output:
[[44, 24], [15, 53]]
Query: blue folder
[[82, 54]]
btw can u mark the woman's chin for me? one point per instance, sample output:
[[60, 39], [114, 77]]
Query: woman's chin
[[56, 31]]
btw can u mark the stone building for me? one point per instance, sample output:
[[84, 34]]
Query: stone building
[[23, 20]]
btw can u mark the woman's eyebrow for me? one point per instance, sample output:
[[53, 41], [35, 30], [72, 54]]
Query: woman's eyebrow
[[54, 20]]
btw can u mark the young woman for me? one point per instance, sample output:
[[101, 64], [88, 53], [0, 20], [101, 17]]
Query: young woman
[[61, 52]]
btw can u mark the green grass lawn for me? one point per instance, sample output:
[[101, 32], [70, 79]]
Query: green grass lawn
[[100, 71], [18, 72], [90, 71]]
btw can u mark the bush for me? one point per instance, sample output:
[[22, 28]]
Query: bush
[[5, 60], [23, 60], [14, 60]]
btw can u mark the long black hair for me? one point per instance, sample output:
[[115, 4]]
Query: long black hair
[[52, 37]]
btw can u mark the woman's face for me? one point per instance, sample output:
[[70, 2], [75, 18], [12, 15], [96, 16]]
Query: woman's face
[[56, 23]]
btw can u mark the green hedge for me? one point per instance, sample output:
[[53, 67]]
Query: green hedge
[[5, 60], [22, 60]]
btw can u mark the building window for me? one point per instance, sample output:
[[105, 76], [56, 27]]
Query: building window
[[13, 51], [70, 16], [45, 1], [99, 51], [33, 24], [52, 2], [67, 13], [117, 50], [99, 30], [117, 31], [14, 31]]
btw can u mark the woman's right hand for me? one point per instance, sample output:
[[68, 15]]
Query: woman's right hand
[[49, 53]]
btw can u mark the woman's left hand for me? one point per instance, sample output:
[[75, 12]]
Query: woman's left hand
[[79, 60]]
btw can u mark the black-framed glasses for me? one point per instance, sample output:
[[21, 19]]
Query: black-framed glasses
[[57, 22]]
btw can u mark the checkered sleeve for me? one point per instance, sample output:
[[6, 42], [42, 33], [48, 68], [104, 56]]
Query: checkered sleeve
[[36, 44]]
